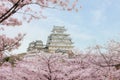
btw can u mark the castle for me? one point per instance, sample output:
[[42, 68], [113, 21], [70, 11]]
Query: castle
[[58, 41]]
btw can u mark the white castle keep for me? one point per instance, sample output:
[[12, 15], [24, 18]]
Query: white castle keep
[[58, 41]]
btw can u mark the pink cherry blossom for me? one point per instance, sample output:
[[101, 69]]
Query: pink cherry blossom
[[10, 8], [9, 44]]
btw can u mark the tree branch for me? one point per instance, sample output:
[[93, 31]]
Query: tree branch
[[11, 11]]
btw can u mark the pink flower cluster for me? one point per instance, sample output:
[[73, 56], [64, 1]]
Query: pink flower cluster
[[59, 67], [10, 8], [8, 44]]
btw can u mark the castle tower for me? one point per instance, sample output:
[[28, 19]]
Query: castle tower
[[58, 40], [35, 46]]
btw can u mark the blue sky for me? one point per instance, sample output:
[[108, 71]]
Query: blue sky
[[97, 22]]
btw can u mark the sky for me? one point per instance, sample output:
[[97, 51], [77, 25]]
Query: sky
[[97, 22]]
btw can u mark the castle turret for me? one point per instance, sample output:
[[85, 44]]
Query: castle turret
[[35, 46]]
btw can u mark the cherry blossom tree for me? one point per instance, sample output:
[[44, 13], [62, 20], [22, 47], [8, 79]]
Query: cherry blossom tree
[[10, 8], [8, 44], [37, 68], [59, 67], [107, 59]]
